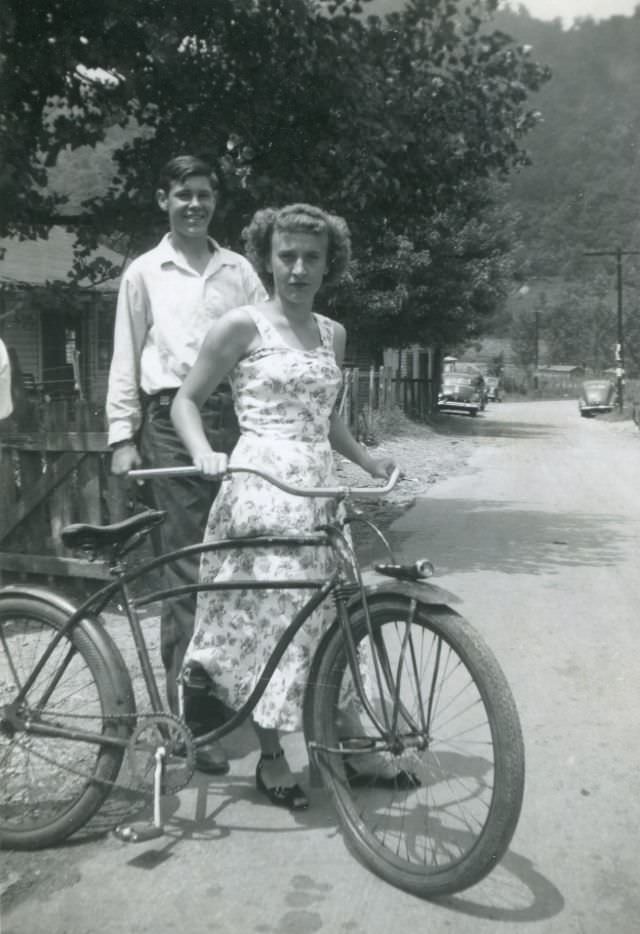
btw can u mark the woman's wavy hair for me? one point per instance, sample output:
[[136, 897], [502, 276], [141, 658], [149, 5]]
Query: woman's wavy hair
[[258, 236]]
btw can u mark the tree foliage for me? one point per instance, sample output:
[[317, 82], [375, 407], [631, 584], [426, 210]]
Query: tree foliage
[[398, 123], [582, 328]]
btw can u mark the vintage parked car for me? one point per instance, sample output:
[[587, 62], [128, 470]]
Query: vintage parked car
[[492, 388], [597, 395], [462, 390]]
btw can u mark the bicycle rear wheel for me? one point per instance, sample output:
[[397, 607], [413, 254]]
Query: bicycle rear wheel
[[51, 786], [433, 809]]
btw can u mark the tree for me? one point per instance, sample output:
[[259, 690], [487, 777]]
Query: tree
[[524, 337], [397, 123]]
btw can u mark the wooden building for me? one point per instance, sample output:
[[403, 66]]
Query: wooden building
[[61, 333]]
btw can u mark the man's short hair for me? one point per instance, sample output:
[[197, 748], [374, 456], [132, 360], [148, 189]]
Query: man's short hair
[[181, 168]]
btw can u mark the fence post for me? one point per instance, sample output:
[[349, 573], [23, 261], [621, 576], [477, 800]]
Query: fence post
[[372, 391], [8, 490], [346, 398], [356, 402]]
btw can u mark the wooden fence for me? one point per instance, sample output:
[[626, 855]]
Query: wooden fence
[[368, 393], [54, 470]]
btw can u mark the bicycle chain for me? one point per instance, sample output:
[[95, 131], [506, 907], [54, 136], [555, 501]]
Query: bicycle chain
[[114, 783]]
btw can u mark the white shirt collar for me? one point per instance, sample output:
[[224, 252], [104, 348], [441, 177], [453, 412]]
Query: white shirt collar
[[220, 256]]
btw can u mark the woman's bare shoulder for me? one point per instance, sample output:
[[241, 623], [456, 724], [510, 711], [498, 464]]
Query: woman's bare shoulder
[[235, 328]]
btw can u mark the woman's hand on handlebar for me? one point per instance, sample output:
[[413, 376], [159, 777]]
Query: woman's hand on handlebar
[[381, 467], [211, 463]]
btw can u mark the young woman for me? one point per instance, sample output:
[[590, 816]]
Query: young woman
[[283, 362]]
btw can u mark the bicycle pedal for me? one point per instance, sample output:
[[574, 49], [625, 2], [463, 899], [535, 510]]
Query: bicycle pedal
[[138, 832]]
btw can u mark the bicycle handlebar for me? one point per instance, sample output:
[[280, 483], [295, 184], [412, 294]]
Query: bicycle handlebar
[[150, 473]]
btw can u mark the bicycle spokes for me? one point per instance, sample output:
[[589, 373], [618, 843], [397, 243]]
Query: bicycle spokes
[[418, 802]]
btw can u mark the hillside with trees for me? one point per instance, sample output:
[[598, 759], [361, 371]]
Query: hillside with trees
[[580, 193]]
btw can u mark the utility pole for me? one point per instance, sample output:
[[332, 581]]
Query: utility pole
[[536, 338], [618, 254]]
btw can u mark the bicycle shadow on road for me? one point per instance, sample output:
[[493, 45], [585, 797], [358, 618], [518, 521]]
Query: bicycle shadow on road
[[214, 809], [515, 891], [126, 805], [471, 535]]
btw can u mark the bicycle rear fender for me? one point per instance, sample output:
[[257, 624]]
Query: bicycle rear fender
[[94, 628]]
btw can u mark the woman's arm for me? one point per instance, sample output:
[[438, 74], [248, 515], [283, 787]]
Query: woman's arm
[[340, 437], [227, 341]]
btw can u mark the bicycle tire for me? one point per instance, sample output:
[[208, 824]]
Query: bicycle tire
[[473, 803], [50, 787]]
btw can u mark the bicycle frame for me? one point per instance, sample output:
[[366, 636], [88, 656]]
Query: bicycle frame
[[337, 583]]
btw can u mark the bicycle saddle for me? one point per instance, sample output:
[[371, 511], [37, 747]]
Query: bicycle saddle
[[79, 534]]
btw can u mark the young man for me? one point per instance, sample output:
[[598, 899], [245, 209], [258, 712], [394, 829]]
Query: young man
[[168, 299]]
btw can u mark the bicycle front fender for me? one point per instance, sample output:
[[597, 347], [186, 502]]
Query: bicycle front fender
[[92, 626], [376, 584]]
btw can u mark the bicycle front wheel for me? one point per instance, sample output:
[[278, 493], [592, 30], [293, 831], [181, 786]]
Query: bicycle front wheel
[[51, 786], [433, 806]]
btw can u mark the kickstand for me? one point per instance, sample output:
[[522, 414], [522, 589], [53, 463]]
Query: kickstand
[[140, 831]]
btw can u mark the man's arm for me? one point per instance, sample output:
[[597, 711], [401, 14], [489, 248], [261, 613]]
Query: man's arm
[[123, 395]]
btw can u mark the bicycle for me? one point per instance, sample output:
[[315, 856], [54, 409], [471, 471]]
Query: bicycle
[[432, 703]]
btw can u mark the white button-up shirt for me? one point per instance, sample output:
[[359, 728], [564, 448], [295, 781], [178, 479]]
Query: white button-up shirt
[[6, 404], [165, 309]]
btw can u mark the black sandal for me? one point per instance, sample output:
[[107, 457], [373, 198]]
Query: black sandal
[[291, 797], [401, 781], [357, 778]]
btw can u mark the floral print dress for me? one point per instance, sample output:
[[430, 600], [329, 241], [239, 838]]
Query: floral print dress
[[283, 398]]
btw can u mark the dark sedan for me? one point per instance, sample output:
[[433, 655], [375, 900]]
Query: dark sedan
[[462, 392], [597, 395]]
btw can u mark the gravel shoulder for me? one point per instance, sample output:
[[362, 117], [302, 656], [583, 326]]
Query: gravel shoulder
[[424, 453]]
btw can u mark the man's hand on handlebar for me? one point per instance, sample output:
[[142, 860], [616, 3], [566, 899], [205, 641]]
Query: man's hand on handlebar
[[124, 458]]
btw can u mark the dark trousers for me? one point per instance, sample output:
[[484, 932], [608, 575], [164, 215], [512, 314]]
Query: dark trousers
[[187, 501]]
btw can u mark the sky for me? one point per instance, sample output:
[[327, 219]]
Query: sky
[[568, 10]]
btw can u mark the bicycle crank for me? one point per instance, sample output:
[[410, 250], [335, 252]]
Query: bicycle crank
[[162, 731], [161, 748]]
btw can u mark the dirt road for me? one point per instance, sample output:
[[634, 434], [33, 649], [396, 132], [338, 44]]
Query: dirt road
[[538, 535]]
